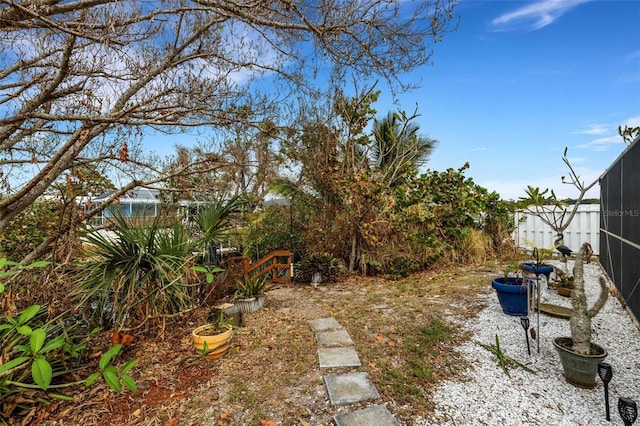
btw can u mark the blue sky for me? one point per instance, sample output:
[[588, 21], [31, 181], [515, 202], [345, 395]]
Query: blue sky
[[520, 80]]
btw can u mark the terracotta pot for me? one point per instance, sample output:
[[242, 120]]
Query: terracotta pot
[[217, 345]]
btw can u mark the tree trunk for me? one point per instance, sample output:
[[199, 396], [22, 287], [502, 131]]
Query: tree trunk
[[354, 249]]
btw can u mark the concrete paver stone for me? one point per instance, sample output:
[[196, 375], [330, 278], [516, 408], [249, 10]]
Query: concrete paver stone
[[324, 324], [334, 338], [376, 415], [349, 388], [345, 356]]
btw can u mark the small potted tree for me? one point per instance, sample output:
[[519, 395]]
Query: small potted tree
[[578, 354]]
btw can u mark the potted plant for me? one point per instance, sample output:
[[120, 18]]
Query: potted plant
[[212, 340], [513, 292], [250, 293], [563, 283], [538, 267], [578, 354]]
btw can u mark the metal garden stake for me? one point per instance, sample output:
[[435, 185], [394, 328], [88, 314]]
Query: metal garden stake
[[628, 410], [605, 373], [537, 299], [525, 324]]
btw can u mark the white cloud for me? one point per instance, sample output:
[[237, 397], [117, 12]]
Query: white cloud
[[602, 144], [609, 136], [535, 16], [594, 129], [632, 121]]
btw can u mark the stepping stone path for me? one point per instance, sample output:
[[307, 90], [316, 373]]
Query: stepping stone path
[[335, 350]]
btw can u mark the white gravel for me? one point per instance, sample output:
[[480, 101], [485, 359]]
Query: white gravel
[[484, 395]]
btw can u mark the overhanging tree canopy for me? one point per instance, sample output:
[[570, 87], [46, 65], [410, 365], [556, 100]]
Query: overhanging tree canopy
[[80, 80]]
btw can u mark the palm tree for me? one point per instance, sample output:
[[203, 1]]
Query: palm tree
[[398, 149], [213, 221]]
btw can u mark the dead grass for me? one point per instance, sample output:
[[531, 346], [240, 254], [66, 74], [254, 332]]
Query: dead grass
[[405, 333]]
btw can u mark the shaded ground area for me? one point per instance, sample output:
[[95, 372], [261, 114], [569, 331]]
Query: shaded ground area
[[404, 332]]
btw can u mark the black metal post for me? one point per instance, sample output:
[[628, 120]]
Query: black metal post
[[605, 373], [524, 321]]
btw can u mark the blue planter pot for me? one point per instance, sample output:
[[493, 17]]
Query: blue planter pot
[[542, 269], [512, 295]]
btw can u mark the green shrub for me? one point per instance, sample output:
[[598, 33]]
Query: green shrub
[[328, 267], [30, 228], [271, 229], [138, 274], [401, 267]]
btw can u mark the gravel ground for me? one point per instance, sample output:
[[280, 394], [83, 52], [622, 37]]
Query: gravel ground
[[484, 395]]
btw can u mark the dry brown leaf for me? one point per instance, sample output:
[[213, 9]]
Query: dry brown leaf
[[171, 422], [379, 337], [372, 364]]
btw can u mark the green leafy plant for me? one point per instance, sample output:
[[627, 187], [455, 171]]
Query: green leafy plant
[[20, 237], [9, 268], [112, 375], [218, 323], [214, 221], [401, 267], [140, 273], [252, 286], [540, 254], [564, 280], [275, 228], [329, 268], [507, 269], [38, 355], [34, 350], [209, 271], [504, 360]]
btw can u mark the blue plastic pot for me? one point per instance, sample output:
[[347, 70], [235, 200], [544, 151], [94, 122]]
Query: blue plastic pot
[[542, 269], [512, 295]]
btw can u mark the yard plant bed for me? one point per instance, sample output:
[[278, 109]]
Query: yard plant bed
[[405, 332]]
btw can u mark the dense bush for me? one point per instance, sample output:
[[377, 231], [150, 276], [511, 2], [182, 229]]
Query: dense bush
[[271, 229], [30, 228], [141, 273], [321, 266]]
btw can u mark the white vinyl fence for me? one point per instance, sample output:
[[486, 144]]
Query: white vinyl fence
[[585, 227]]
